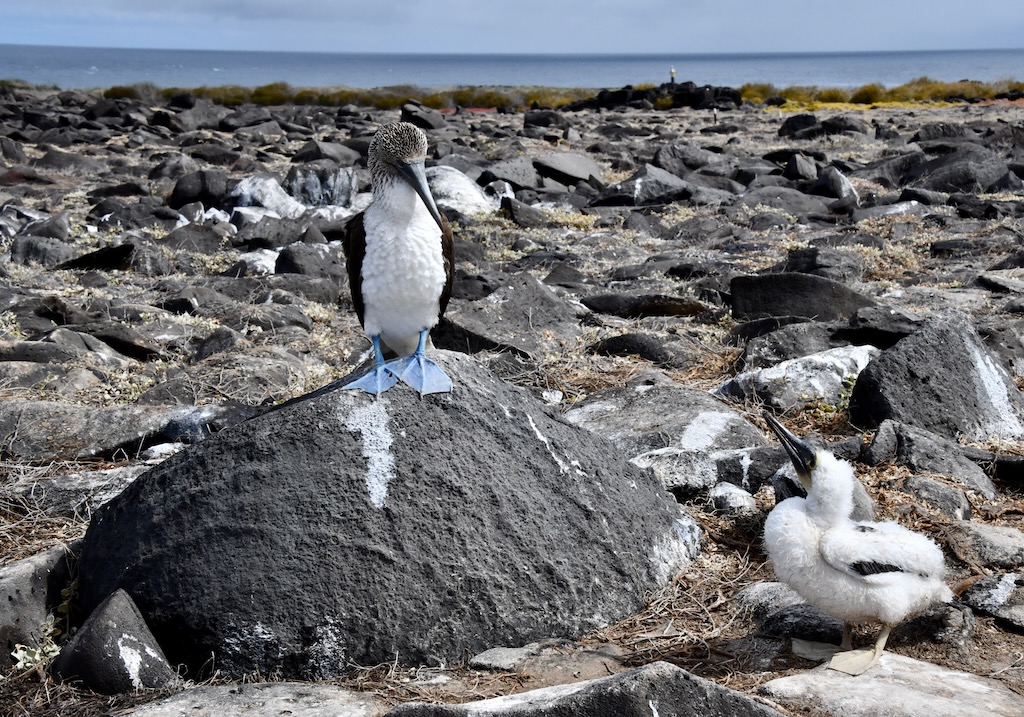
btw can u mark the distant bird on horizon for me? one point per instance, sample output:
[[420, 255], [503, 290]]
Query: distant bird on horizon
[[855, 570], [399, 255]]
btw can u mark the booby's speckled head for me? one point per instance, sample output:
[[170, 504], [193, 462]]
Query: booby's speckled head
[[803, 455], [396, 144], [398, 151]]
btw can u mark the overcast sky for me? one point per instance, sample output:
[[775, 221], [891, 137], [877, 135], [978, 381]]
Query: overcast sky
[[519, 26]]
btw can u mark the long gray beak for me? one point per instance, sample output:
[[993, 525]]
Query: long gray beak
[[416, 175], [800, 452]]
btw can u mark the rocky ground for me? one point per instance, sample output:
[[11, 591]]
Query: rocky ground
[[173, 270]]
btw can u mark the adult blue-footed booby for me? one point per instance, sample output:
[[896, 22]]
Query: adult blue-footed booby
[[399, 255], [857, 571]]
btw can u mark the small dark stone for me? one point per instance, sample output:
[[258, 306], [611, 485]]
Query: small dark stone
[[643, 345], [114, 652], [640, 305], [814, 297], [522, 214], [422, 116]]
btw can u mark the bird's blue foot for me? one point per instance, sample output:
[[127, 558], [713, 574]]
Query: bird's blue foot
[[379, 379], [421, 374], [375, 382]]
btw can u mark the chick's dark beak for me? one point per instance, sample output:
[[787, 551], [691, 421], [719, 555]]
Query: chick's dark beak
[[415, 174], [800, 452]]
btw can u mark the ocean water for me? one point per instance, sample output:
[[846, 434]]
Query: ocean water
[[98, 68]]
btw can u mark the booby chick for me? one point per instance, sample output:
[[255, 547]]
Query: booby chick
[[399, 256], [857, 571]]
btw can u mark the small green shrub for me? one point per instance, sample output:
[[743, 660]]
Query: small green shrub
[[484, 97], [868, 94], [276, 93], [663, 103], [799, 93], [758, 92], [832, 95], [307, 96], [144, 92], [227, 95]]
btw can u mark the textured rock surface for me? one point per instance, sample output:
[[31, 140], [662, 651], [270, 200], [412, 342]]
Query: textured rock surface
[[962, 390], [176, 294], [805, 382], [339, 528], [295, 699], [30, 590], [677, 432], [659, 688], [114, 651], [897, 686]]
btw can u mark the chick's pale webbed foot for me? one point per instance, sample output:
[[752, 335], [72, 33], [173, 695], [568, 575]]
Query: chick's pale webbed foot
[[856, 662], [420, 373], [379, 379]]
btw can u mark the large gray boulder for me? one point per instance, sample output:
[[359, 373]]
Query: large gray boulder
[[969, 168], [941, 378], [341, 529]]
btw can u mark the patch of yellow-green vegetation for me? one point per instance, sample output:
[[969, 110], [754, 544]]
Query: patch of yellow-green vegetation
[[276, 93], [9, 325], [126, 383], [831, 418], [212, 264], [677, 212], [384, 98], [319, 313], [144, 91], [919, 90], [571, 220], [899, 258]]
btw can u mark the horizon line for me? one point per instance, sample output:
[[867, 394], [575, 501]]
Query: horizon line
[[744, 53]]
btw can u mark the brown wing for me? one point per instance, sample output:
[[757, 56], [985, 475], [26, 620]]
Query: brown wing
[[354, 246], [448, 251]]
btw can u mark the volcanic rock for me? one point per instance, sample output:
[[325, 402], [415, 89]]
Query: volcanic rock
[[294, 550]]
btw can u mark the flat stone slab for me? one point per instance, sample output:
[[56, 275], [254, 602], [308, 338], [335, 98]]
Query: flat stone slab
[[898, 687], [295, 699]]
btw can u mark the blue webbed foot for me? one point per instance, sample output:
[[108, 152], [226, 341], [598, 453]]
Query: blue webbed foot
[[375, 382], [421, 374], [379, 379]]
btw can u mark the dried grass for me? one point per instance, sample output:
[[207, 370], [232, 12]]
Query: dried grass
[[25, 528]]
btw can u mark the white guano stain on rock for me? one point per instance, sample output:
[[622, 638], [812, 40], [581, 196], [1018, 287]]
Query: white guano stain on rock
[[676, 549], [132, 659], [538, 700], [370, 421], [704, 430], [1000, 592], [993, 385], [563, 467]]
